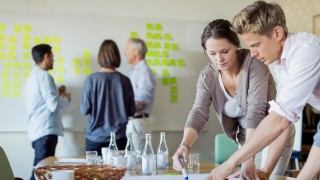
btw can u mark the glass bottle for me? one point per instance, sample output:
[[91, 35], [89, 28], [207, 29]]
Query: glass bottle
[[148, 158], [162, 152], [113, 148], [130, 152]]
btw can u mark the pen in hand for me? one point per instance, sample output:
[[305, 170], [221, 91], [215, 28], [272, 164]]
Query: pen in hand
[[184, 171]]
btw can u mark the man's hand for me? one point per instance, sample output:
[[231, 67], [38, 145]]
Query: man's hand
[[222, 171]]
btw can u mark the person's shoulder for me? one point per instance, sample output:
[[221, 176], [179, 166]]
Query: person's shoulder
[[247, 60]]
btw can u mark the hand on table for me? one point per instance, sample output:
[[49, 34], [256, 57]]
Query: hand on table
[[221, 172]]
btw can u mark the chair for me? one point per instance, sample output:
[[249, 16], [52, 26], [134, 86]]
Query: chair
[[224, 148], [5, 170]]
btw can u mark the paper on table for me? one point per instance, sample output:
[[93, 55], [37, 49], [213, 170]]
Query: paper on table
[[71, 161]]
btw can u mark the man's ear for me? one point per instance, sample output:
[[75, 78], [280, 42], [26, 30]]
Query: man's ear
[[278, 33]]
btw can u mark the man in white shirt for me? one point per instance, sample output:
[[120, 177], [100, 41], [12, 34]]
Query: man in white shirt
[[44, 102], [296, 59], [143, 84]]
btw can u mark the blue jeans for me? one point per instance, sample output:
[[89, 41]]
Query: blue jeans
[[43, 147], [96, 146]]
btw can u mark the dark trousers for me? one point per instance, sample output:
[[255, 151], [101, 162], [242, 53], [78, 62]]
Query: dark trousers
[[96, 146], [43, 147]]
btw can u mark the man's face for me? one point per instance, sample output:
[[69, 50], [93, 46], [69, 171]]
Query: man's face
[[130, 53], [50, 61], [266, 49]]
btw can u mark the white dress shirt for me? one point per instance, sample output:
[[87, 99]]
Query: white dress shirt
[[297, 76]]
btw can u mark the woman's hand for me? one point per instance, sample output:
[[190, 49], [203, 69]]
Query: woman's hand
[[222, 171], [181, 151], [248, 170]]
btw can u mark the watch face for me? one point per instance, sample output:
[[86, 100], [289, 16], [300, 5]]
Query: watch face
[[316, 24]]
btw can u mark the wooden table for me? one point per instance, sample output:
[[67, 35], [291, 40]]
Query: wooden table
[[205, 168]]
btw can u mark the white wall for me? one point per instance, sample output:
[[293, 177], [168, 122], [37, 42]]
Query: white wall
[[17, 145]]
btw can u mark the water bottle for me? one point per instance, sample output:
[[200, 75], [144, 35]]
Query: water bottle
[[113, 148], [162, 152], [148, 158], [130, 152]]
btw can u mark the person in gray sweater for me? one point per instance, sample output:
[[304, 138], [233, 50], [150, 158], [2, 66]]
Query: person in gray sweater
[[239, 87]]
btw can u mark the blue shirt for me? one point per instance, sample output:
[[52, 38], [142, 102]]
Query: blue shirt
[[143, 83], [108, 101], [43, 105]]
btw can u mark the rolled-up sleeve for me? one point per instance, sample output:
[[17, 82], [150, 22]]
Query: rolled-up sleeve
[[303, 68]]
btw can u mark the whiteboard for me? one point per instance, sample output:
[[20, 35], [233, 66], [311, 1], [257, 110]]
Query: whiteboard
[[76, 39]]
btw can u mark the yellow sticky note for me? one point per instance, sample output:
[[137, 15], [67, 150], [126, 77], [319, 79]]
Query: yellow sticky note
[[27, 66], [12, 48], [154, 72], [2, 37], [3, 56], [2, 27], [173, 80], [26, 45], [2, 46], [17, 28], [149, 26], [60, 60], [157, 62], [174, 89], [5, 84], [166, 45], [5, 92], [157, 36], [5, 74], [76, 62], [149, 35], [172, 62], [16, 84], [56, 40], [26, 38], [156, 54], [134, 35], [167, 37], [149, 62], [59, 79], [26, 74], [37, 40], [174, 99], [175, 46], [60, 69], [7, 65], [158, 27], [12, 39], [26, 55], [56, 49], [17, 65], [16, 93], [86, 70], [157, 45], [76, 70], [165, 81], [12, 56], [47, 39], [16, 75], [165, 72], [86, 53], [165, 54], [181, 63], [27, 28], [149, 44], [165, 62], [86, 61]]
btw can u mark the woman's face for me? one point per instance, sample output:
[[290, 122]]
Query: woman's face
[[222, 53]]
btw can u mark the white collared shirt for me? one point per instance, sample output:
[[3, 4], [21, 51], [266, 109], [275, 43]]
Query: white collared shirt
[[297, 76]]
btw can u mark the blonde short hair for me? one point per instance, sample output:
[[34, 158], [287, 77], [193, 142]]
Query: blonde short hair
[[260, 18]]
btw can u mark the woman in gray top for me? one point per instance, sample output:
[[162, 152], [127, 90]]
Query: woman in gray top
[[239, 87]]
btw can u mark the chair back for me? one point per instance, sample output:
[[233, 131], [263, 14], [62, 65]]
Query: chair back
[[5, 168], [224, 148]]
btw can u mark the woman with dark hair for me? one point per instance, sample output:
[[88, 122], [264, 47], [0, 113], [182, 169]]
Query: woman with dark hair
[[107, 100], [239, 87]]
